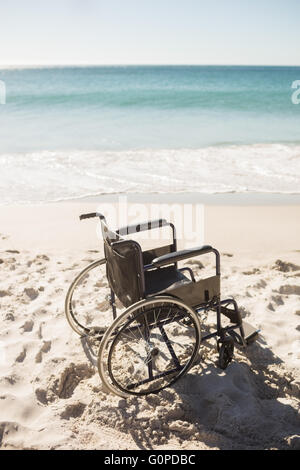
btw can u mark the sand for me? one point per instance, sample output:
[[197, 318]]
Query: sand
[[51, 396]]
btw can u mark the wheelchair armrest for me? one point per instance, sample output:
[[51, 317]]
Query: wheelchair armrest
[[181, 255], [134, 228]]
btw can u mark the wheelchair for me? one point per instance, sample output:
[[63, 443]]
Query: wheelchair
[[156, 339]]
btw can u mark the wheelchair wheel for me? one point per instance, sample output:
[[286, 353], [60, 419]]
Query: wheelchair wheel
[[150, 346], [226, 353], [85, 312]]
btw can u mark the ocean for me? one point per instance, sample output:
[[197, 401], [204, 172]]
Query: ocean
[[72, 132]]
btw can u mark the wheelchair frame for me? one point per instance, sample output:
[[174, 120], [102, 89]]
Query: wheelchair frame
[[184, 297]]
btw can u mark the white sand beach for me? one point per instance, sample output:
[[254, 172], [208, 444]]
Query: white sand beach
[[51, 396]]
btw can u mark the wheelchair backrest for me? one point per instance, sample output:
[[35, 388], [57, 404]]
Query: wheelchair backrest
[[124, 266]]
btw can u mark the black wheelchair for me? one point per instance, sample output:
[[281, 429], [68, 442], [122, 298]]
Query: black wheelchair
[[156, 339]]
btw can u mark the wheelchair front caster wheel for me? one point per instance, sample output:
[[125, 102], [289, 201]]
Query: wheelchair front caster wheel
[[226, 353]]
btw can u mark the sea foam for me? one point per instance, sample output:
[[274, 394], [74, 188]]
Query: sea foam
[[52, 176]]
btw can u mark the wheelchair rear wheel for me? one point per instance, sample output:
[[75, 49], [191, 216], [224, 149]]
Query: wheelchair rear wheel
[[150, 346], [87, 305]]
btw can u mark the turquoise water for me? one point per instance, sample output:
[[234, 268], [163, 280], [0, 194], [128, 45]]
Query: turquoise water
[[137, 107], [83, 119]]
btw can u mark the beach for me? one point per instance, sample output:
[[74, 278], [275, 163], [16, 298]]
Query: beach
[[185, 114], [51, 396]]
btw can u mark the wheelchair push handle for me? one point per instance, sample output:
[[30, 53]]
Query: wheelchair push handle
[[87, 216], [90, 215]]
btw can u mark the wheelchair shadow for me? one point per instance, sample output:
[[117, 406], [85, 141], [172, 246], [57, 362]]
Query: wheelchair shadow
[[245, 406], [90, 348], [137, 432]]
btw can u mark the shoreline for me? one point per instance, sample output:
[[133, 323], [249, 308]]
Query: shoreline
[[254, 172], [232, 198], [229, 198]]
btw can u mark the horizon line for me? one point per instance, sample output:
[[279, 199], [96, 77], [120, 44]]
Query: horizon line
[[19, 65]]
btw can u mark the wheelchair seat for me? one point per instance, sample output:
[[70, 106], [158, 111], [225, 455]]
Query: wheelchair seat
[[162, 280]]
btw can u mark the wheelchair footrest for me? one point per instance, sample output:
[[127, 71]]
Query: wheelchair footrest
[[251, 333]]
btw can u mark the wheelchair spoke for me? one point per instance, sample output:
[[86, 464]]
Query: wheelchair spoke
[[83, 309], [149, 361], [152, 348], [159, 376], [169, 346]]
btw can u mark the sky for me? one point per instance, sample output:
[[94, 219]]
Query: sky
[[106, 32]]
